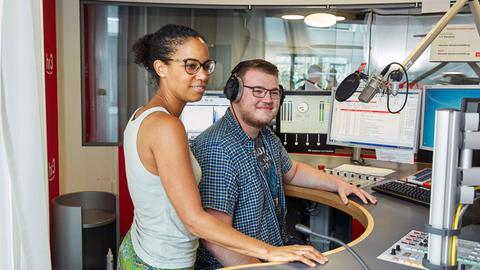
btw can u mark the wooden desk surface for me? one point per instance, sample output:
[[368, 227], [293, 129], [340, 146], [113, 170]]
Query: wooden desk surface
[[385, 223]]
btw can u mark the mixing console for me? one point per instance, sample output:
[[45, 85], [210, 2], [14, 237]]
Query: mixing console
[[411, 249], [358, 179]]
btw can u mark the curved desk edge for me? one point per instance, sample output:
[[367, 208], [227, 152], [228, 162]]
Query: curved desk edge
[[331, 199]]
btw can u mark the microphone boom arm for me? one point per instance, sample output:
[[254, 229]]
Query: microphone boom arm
[[376, 83]]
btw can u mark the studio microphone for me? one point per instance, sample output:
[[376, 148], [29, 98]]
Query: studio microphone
[[304, 229], [396, 76], [395, 88], [375, 84], [378, 84]]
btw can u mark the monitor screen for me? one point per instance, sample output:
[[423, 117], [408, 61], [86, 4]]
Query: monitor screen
[[198, 116], [370, 125], [438, 97], [302, 121]]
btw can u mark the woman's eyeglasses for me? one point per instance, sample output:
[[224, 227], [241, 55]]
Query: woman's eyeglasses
[[260, 92], [192, 66]]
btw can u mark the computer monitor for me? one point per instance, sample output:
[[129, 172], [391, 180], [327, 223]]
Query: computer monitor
[[370, 125], [198, 116], [302, 121], [441, 96]]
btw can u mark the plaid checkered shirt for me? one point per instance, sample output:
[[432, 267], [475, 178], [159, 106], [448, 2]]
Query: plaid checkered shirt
[[233, 184]]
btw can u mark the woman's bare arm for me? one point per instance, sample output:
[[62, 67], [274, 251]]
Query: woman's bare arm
[[164, 136]]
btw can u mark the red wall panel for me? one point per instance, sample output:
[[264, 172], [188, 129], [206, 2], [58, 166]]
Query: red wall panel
[[50, 54], [125, 202]]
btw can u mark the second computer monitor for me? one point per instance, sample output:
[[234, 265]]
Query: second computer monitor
[[198, 116], [370, 125], [438, 97], [302, 121]]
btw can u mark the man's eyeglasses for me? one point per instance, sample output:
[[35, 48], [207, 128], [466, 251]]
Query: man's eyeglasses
[[260, 92], [192, 66]]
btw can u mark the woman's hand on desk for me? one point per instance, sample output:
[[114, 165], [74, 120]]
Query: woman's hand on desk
[[344, 190], [305, 254]]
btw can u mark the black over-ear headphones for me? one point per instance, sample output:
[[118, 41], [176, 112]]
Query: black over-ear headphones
[[234, 87]]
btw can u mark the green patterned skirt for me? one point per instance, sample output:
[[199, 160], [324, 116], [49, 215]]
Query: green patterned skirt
[[128, 259]]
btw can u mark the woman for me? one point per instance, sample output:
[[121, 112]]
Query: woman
[[162, 174]]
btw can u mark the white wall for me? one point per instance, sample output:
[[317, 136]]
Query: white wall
[[95, 168]]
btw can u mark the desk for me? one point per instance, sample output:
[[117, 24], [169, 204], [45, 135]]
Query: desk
[[386, 222]]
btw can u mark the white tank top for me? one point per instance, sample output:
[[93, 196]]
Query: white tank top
[[159, 237]]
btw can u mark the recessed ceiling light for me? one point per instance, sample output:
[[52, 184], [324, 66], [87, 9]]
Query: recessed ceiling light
[[339, 18], [293, 17], [320, 20]]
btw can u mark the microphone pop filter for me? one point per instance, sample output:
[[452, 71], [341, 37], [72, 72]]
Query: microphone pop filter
[[347, 87]]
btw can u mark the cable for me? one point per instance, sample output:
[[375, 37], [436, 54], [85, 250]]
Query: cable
[[461, 209], [407, 82], [304, 229], [453, 255], [462, 212], [236, 118]]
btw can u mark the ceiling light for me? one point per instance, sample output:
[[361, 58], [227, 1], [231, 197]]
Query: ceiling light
[[339, 18], [320, 20], [293, 17]]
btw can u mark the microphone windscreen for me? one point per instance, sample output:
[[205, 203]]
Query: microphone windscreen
[[347, 87]]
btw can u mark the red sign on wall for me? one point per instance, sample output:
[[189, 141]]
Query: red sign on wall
[[50, 54]]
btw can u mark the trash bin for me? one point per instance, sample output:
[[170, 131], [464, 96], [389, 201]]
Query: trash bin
[[84, 228]]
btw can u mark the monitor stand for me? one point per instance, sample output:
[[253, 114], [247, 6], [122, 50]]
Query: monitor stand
[[357, 157]]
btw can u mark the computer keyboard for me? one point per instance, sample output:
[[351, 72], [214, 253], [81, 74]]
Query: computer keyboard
[[406, 191]]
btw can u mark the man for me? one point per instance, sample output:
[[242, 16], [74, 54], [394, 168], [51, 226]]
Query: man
[[244, 166], [313, 83]]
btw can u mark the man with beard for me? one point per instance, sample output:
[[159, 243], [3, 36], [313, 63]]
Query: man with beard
[[244, 166]]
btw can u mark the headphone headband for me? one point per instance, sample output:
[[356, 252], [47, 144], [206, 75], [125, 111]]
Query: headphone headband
[[237, 68], [234, 86]]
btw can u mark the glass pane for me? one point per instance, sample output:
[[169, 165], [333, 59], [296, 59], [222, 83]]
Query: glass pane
[[319, 58], [100, 73]]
